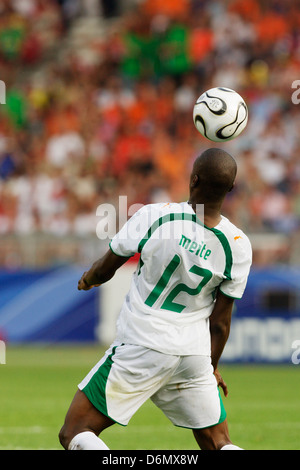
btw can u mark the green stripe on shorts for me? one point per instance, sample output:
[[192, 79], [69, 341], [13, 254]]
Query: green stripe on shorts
[[223, 411], [95, 388]]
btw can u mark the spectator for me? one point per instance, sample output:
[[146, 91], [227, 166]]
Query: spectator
[[75, 133]]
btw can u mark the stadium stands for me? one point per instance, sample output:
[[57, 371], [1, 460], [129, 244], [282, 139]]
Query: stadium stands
[[98, 104]]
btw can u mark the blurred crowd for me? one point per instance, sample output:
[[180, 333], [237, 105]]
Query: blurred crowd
[[82, 126]]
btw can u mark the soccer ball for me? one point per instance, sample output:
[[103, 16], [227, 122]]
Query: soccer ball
[[220, 114]]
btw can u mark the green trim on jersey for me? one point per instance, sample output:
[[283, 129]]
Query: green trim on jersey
[[193, 218], [229, 296], [121, 256]]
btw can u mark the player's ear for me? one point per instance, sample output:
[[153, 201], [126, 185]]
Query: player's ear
[[231, 187], [194, 181]]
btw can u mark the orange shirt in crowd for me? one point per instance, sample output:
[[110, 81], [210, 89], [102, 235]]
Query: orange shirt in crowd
[[170, 8], [248, 9], [272, 27]]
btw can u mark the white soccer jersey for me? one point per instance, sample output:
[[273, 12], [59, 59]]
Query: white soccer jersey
[[181, 266]]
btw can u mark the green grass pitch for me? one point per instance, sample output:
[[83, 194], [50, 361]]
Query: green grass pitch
[[37, 385]]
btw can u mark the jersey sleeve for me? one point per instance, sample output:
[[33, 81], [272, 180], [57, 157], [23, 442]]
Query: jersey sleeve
[[126, 242], [242, 260]]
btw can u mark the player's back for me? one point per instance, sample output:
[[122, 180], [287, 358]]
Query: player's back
[[181, 266]]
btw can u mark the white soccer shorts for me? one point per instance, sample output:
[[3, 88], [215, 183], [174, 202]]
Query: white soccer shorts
[[183, 387]]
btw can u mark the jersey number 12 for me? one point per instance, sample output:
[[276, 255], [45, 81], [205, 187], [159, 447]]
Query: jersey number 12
[[169, 303]]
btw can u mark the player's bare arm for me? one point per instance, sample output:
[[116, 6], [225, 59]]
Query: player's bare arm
[[220, 321], [101, 271]]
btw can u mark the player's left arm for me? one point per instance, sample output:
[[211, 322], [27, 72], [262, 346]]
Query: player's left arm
[[220, 321], [101, 271], [229, 290]]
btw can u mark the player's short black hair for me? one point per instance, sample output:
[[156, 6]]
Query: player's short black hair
[[216, 171]]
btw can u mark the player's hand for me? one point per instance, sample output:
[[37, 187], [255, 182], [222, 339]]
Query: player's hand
[[221, 382], [83, 285]]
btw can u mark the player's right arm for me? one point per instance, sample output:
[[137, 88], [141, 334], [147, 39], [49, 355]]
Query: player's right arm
[[123, 245], [101, 271]]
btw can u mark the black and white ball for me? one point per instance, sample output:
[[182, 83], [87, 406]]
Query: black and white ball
[[220, 114]]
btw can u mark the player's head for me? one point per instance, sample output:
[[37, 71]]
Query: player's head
[[212, 176]]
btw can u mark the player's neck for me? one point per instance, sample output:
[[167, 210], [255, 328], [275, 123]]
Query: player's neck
[[212, 212]]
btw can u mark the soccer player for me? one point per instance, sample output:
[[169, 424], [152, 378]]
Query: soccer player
[[175, 319]]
